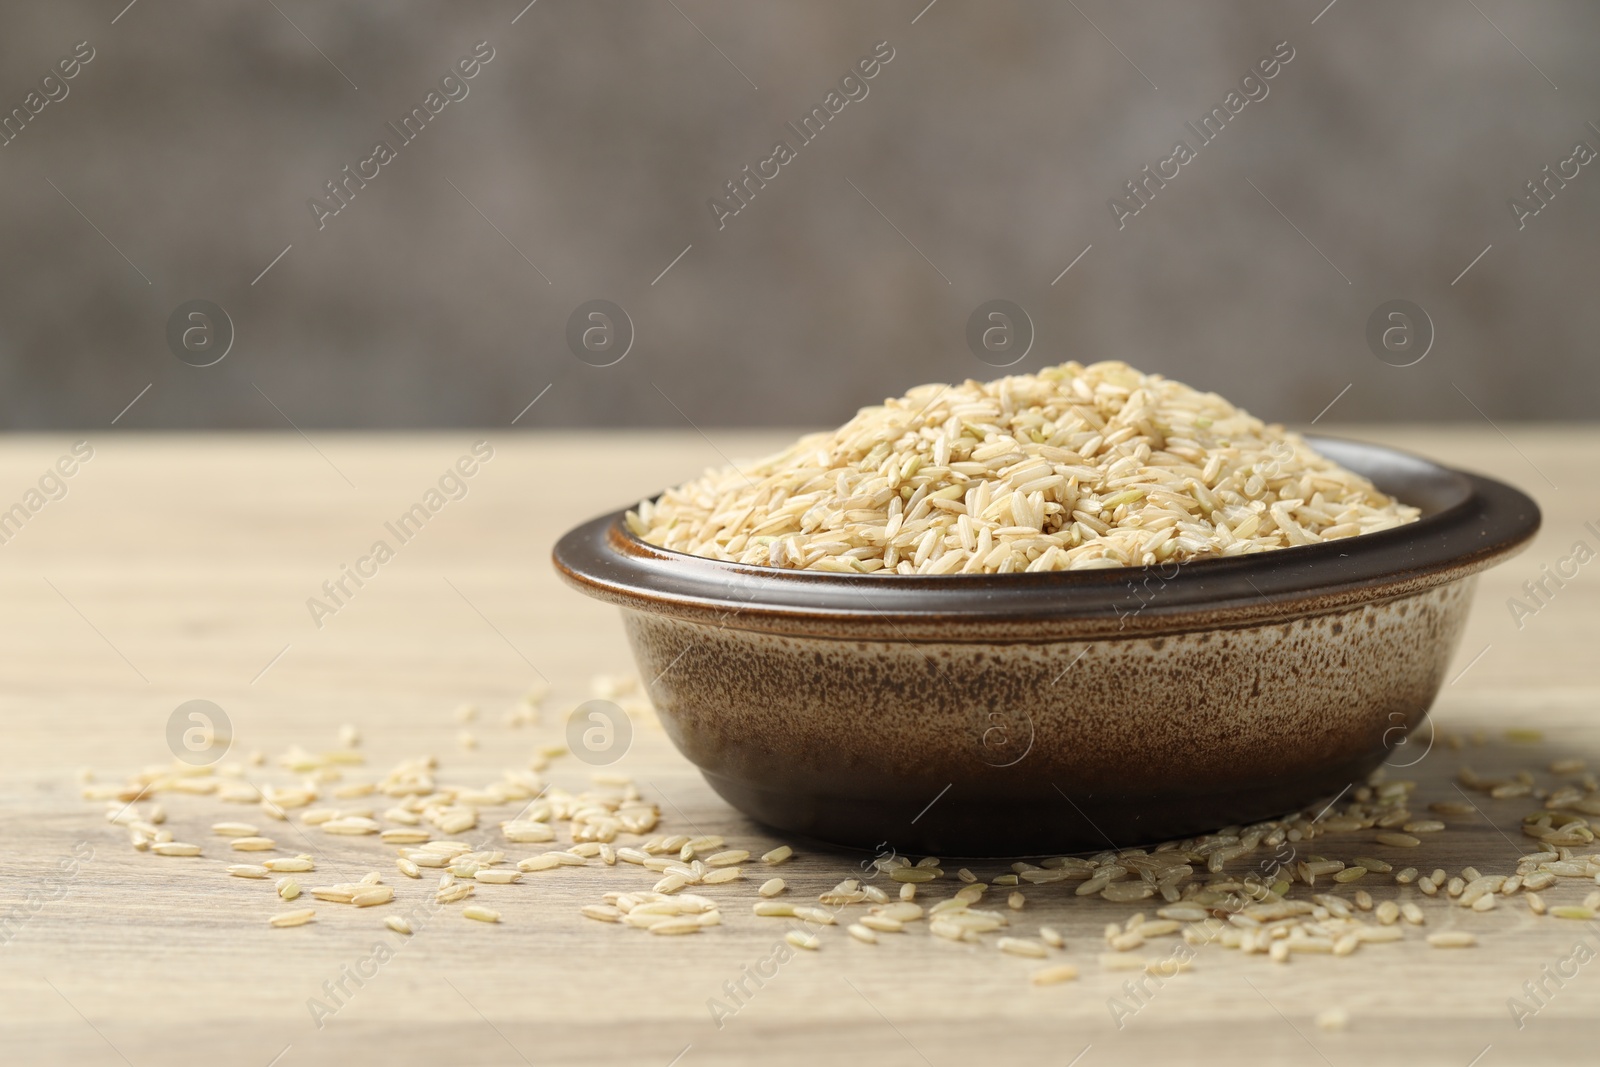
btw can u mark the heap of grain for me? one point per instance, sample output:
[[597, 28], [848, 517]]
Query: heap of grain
[[1071, 468]]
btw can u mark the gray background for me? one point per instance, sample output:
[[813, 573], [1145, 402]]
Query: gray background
[[992, 142]]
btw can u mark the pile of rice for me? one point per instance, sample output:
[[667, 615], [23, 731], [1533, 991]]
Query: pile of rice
[[1071, 468]]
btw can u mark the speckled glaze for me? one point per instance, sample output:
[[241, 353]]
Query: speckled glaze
[[1020, 714]]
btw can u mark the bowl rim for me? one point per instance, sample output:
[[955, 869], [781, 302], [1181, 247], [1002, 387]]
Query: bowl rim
[[1470, 522]]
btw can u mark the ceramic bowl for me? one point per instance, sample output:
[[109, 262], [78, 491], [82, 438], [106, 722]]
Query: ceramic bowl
[[1020, 714]]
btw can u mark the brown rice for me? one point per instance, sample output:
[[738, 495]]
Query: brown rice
[[1071, 468]]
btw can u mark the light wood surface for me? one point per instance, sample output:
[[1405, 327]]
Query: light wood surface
[[178, 568]]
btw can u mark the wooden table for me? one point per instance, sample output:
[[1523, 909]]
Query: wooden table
[[179, 567]]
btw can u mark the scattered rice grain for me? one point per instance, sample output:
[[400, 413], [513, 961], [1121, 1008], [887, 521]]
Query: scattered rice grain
[[1061, 972], [293, 918], [1452, 939]]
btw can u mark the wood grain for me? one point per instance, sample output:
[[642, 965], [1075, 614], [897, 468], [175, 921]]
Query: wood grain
[[177, 568]]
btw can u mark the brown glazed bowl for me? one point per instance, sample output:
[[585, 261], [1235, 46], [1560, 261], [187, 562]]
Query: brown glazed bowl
[[1020, 714]]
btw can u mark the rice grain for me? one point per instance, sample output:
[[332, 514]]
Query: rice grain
[[293, 918], [862, 933], [1452, 939], [1061, 972]]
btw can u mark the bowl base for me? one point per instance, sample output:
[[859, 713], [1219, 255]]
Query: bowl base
[[1049, 823]]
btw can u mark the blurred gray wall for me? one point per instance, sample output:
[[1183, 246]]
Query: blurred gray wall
[[979, 165]]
